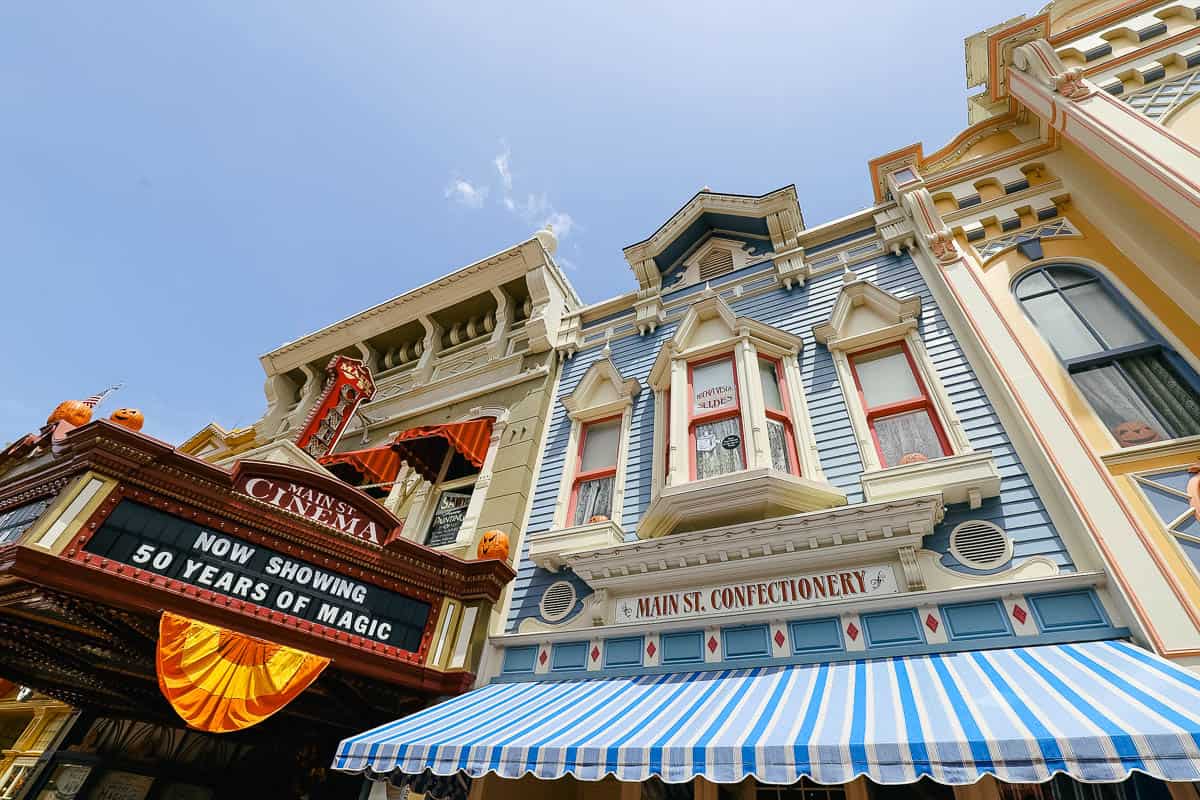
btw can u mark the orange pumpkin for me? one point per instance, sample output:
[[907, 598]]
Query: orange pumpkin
[[599, 518], [76, 412], [1134, 432], [494, 544], [913, 458], [128, 417]]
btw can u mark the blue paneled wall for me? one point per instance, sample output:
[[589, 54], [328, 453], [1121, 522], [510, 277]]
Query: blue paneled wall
[[1018, 510]]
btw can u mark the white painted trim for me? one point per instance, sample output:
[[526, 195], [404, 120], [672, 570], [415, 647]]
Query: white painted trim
[[69, 514], [466, 629], [1004, 587]]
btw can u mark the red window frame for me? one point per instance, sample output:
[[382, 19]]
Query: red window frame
[[583, 477], [921, 402], [703, 417], [783, 415]]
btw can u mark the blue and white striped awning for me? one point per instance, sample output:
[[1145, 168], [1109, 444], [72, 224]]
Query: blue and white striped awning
[[1095, 711]]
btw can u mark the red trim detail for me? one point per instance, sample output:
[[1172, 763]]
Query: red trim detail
[[349, 383], [920, 403], [783, 415], [852, 631], [583, 477]]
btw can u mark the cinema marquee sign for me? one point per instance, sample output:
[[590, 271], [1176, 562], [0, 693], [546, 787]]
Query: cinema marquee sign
[[163, 544], [786, 592], [322, 499]]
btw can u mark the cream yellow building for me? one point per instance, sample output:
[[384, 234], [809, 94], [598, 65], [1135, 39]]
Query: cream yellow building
[[1066, 225]]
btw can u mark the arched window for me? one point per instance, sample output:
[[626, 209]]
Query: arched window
[[1138, 386]]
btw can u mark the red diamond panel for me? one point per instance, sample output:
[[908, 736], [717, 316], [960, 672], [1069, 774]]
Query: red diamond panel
[[595, 652], [542, 658], [651, 649], [779, 640], [931, 622], [1019, 614], [712, 644], [852, 631]]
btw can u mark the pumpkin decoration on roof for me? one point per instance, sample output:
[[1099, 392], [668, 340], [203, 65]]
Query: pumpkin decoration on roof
[[129, 418], [74, 412], [494, 544]]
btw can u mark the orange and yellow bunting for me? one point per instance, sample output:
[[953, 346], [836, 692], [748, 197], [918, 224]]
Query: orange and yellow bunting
[[220, 681]]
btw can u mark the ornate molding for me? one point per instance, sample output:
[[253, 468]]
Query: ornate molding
[[1038, 60]]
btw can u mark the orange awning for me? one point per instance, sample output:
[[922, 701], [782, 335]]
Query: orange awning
[[423, 449], [376, 464]]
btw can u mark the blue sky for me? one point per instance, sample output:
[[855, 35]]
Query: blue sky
[[185, 186]]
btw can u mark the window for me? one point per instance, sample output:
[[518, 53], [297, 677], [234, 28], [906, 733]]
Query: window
[[780, 434], [1175, 497], [1062, 787], [901, 416], [595, 472], [1141, 389], [715, 425], [453, 491], [600, 408]]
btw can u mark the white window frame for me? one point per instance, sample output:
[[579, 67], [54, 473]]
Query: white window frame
[[893, 321], [601, 394], [711, 329]]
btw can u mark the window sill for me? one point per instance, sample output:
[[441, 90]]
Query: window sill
[[743, 496], [1185, 449], [548, 549], [965, 478]]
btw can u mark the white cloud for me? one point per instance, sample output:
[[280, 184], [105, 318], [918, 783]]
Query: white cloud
[[534, 209], [501, 162], [466, 193]]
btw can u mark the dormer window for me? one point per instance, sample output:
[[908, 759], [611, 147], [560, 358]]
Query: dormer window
[[901, 415]]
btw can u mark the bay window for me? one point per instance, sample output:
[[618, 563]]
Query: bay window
[[1138, 386], [900, 413], [595, 471], [732, 435]]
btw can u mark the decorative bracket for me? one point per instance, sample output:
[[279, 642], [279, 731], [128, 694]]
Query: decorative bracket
[[1038, 60], [912, 569]]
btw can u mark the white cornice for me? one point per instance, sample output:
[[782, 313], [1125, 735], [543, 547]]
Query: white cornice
[[1187, 447], [438, 293], [858, 605], [844, 533]]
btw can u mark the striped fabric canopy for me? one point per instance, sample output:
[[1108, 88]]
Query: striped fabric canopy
[[1095, 711], [423, 449]]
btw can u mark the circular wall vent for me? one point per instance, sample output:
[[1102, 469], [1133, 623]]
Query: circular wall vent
[[558, 600], [980, 545]]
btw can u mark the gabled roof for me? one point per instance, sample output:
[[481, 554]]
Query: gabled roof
[[775, 215], [862, 309]]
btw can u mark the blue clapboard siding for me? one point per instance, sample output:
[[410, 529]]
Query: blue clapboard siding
[[1018, 511]]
